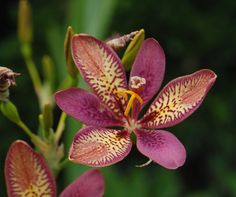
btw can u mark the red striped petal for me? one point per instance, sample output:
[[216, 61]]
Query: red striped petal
[[179, 99], [27, 173], [89, 184], [99, 147], [102, 70]]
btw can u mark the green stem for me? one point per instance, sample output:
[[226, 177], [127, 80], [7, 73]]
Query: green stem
[[34, 138], [25, 129], [60, 127], [63, 164]]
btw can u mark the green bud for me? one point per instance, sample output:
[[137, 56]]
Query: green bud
[[48, 70], [24, 22], [132, 49], [72, 70], [10, 111], [47, 117]]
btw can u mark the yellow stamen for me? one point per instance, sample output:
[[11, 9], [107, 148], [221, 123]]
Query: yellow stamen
[[133, 96], [123, 94]]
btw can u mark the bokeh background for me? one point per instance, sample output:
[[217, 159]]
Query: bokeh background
[[195, 34]]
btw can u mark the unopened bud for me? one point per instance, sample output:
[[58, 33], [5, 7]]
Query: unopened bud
[[72, 70], [7, 79], [24, 22], [47, 117], [48, 70], [132, 49], [10, 111]]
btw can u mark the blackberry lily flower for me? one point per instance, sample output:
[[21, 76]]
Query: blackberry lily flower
[[115, 104], [27, 174]]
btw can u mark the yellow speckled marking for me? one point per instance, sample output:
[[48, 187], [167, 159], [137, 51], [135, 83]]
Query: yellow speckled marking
[[102, 72], [37, 186], [177, 99], [100, 146], [27, 176]]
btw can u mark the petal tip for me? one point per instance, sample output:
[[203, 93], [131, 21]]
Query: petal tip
[[162, 147]]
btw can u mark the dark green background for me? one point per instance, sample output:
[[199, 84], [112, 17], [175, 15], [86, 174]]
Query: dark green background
[[194, 35]]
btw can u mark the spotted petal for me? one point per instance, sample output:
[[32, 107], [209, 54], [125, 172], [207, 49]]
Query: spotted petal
[[102, 70], [162, 147], [178, 100], [27, 173], [85, 107], [89, 184], [99, 147]]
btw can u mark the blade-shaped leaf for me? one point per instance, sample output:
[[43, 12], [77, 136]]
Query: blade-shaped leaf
[[27, 173], [99, 147], [89, 184], [86, 107], [102, 70], [162, 147], [178, 100]]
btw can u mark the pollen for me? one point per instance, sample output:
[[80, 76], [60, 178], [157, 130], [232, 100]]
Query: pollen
[[133, 96]]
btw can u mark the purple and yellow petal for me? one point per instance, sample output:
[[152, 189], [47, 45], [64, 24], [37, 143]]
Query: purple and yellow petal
[[178, 100], [162, 147], [26, 172], [89, 184], [102, 70], [86, 107], [99, 147]]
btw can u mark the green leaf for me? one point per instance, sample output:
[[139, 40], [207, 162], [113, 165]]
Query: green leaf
[[132, 49]]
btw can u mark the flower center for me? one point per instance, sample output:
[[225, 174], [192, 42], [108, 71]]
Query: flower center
[[136, 84], [131, 125], [133, 96]]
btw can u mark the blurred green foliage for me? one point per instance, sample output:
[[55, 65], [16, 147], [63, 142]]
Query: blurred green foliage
[[194, 35]]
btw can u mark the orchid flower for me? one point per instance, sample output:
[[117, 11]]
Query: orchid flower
[[27, 174], [112, 112]]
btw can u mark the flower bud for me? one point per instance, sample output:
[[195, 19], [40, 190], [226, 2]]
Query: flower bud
[[10, 111], [7, 78], [24, 22], [48, 70], [72, 70], [132, 49], [47, 117]]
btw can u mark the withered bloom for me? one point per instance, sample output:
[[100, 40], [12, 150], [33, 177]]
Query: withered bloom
[[7, 79], [119, 42]]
